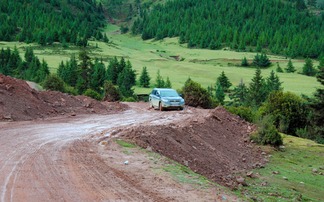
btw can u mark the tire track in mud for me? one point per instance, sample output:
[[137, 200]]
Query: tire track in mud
[[114, 183]]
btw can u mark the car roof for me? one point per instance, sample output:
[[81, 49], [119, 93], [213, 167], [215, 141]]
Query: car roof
[[164, 89]]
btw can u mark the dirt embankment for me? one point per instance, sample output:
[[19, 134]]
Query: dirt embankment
[[20, 102], [216, 146]]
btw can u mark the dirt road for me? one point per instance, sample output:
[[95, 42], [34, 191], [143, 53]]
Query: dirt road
[[62, 159]]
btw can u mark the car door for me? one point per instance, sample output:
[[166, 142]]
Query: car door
[[156, 99], [153, 98]]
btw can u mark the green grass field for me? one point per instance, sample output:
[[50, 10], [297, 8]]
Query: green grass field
[[201, 65], [295, 180]]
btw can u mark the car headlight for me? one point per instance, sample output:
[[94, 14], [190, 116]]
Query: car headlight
[[164, 100]]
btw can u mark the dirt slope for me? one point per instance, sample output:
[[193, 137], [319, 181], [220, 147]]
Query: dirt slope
[[20, 102], [214, 144]]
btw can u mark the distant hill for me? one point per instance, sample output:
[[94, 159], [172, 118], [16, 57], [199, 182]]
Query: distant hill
[[48, 21], [291, 27]]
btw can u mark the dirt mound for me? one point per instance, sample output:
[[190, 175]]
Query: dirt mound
[[20, 102], [216, 146]]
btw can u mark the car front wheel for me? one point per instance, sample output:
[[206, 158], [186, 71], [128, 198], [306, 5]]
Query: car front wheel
[[160, 107]]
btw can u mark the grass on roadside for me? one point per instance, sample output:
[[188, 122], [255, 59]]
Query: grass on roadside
[[295, 174]]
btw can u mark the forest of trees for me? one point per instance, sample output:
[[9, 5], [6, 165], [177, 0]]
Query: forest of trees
[[285, 28], [31, 68], [83, 76], [48, 21]]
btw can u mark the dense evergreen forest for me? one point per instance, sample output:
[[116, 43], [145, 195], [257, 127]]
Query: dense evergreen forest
[[283, 27], [48, 21]]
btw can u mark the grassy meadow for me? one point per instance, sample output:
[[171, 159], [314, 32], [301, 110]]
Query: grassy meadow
[[294, 174], [175, 61]]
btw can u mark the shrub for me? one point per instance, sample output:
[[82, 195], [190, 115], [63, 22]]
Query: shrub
[[70, 90], [129, 99], [93, 94], [267, 133], [245, 113], [53, 82], [288, 110], [111, 92], [196, 96]]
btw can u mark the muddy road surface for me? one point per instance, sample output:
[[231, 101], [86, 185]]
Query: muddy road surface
[[62, 159]]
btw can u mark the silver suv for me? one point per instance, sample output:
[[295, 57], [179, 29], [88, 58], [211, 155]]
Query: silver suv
[[166, 98]]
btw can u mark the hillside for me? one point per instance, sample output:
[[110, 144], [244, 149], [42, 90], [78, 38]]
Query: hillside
[[283, 28], [46, 22]]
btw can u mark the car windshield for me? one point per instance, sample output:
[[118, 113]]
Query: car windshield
[[169, 93]]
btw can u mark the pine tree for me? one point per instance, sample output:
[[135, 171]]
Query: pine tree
[[126, 80], [240, 94], [73, 71], [29, 55], [300, 4], [168, 83], [84, 66], [144, 78], [279, 69], [42, 72], [257, 89], [159, 82], [273, 83], [261, 60], [244, 62], [308, 68], [61, 71], [290, 67], [224, 82], [219, 94], [321, 63], [112, 70], [97, 76], [317, 106]]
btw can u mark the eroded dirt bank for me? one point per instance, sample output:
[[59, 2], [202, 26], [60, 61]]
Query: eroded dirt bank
[[213, 143]]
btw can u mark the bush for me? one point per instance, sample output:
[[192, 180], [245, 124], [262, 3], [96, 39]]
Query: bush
[[267, 133], [289, 111], [111, 92], [245, 113], [196, 96], [70, 90], [53, 82], [129, 99], [93, 94]]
